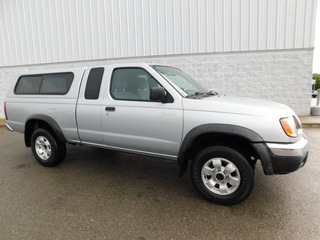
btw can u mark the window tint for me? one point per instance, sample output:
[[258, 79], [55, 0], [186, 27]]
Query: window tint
[[28, 85], [132, 84], [57, 83], [94, 83]]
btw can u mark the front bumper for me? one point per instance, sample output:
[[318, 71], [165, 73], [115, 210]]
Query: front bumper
[[279, 158], [8, 127], [299, 148]]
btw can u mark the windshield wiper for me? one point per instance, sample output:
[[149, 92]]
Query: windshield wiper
[[195, 94], [212, 93], [202, 94]]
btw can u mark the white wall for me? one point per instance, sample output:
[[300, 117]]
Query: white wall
[[258, 48], [283, 76], [37, 31]]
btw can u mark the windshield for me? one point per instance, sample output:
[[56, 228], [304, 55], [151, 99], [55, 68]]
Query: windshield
[[183, 83]]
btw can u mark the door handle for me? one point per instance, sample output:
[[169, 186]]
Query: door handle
[[110, 109]]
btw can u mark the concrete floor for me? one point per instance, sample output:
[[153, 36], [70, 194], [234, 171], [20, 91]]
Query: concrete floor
[[99, 194]]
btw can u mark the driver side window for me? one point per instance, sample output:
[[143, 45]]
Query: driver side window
[[132, 84]]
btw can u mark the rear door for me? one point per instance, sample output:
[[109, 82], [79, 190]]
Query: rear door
[[90, 106], [132, 121]]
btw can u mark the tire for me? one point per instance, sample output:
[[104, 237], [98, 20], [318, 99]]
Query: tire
[[47, 150], [222, 175]]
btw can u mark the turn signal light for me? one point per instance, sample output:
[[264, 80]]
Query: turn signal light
[[291, 126], [286, 127]]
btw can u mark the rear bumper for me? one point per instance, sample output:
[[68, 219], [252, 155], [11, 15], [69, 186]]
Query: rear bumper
[[283, 158]]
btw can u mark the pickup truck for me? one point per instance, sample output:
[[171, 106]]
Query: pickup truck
[[157, 111]]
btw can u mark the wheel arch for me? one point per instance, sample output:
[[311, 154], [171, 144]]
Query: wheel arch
[[206, 135], [42, 121]]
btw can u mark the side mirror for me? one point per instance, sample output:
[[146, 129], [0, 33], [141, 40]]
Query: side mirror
[[158, 94]]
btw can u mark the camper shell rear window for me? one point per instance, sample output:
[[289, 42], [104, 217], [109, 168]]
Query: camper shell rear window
[[45, 84]]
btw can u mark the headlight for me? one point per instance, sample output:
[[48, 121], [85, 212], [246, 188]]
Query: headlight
[[291, 126]]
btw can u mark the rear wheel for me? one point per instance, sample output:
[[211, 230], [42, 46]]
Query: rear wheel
[[222, 175], [47, 150]]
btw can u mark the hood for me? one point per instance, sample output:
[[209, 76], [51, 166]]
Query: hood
[[239, 106]]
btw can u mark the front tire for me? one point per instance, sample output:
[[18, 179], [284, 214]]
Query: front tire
[[222, 175], [47, 150]]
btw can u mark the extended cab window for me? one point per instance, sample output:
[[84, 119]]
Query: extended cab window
[[94, 83], [51, 84], [132, 84]]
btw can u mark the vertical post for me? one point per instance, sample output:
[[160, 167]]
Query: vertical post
[[318, 98]]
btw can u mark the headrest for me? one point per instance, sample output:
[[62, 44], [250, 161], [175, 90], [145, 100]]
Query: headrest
[[142, 83]]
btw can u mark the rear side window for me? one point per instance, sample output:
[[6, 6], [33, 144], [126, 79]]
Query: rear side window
[[50, 84], [94, 83], [56, 83], [28, 85]]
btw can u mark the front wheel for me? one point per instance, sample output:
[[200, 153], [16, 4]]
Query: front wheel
[[47, 150], [222, 175]]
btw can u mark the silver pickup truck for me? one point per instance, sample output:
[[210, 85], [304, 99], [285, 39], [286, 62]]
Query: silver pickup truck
[[157, 111]]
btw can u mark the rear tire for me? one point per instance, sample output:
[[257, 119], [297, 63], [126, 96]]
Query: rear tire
[[222, 175], [47, 150]]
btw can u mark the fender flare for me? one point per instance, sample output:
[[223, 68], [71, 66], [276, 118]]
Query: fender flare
[[231, 130], [48, 120]]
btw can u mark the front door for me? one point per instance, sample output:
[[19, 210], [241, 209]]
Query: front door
[[131, 121]]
